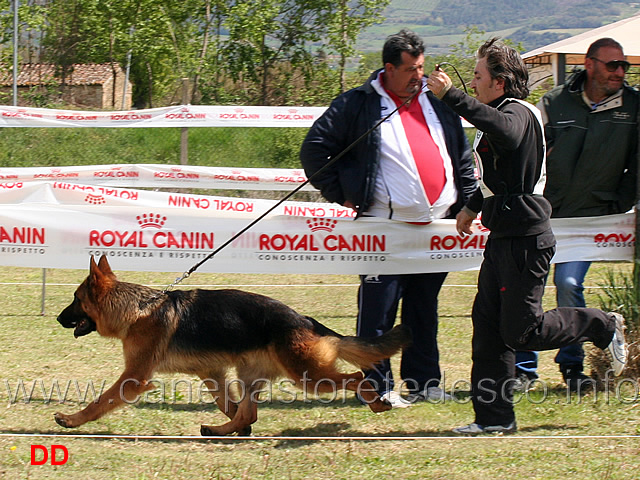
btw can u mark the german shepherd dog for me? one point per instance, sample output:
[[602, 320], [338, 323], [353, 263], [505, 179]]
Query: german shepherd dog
[[209, 332]]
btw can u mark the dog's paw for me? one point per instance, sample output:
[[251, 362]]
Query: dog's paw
[[222, 430], [63, 420], [210, 431], [380, 405]]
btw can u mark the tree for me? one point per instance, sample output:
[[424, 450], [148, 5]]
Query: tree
[[347, 19], [269, 34]]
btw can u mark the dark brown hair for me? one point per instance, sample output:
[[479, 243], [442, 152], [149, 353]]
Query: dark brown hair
[[504, 62]]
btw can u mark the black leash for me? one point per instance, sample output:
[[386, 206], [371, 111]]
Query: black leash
[[188, 273], [464, 85]]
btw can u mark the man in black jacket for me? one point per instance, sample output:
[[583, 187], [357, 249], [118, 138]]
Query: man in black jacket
[[507, 312], [415, 167]]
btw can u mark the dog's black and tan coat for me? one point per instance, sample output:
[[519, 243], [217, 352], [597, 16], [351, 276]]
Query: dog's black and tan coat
[[209, 332]]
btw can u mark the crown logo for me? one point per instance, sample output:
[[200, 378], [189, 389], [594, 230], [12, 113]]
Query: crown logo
[[151, 220], [94, 199], [325, 224]]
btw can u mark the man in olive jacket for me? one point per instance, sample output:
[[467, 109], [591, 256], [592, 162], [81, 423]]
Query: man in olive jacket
[[591, 129]]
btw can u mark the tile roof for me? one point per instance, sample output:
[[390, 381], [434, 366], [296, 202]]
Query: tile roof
[[30, 74]]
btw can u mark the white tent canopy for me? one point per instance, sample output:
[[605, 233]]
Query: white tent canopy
[[552, 59]]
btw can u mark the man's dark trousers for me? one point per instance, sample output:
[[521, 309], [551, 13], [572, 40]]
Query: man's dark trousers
[[507, 315], [378, 300]]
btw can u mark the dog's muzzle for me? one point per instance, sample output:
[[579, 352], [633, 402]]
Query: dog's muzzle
[[81, 324]]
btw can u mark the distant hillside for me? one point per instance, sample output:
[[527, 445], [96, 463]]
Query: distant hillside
[[533, 23]]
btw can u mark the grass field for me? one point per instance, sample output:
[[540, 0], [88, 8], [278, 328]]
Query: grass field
[[560, 436]]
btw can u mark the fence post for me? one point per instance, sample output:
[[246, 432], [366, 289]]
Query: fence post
[[184, 134]]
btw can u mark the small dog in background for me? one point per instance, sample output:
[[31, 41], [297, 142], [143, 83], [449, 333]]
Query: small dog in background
[[208, 332]]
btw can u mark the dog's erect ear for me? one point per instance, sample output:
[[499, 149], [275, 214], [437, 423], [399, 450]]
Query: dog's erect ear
[[100, 274], [104, 266]]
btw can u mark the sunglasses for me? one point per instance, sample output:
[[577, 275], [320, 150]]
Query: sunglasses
[[613, 65]]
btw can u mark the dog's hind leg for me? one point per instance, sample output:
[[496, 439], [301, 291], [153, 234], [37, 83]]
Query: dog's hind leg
[[219, 390], [331, 381], [245, 416], [311, 364], [224, 398]]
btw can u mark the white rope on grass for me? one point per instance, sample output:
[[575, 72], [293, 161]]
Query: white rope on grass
[[359, 438], [250, 285]]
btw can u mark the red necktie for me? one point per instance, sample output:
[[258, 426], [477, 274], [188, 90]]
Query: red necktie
[[425, 152]]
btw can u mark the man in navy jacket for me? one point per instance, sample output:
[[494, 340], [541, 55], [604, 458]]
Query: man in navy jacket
[[415, 167]]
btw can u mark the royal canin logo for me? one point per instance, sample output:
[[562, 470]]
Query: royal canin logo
[[322, 238], [237, 177], [185, 114], [619, 239], [97, 195], [238, 114], [151, 235], [292, 114], [476, 241], [130, 116], [151, 220], [326, 224], [116, 172], [57, 174], [22, 235], [21, 114], [177, 173], [76, 117], [10, 185], [457, 242], [205, 203]]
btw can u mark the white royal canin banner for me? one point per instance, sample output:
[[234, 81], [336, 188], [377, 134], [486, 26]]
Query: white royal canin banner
[[49, 223], [174, 116], [163, 176]]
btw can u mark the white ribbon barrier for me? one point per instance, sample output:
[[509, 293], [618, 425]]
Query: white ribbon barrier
[[162, 176], [174, 116], [60, 224]]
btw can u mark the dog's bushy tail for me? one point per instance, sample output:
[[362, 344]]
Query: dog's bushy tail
[[366, 352]]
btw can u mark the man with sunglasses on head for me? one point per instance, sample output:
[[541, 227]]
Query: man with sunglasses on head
[[592, 136]]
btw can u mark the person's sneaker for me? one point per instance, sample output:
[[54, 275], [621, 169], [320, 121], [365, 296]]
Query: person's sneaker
[[430, 394], [618, 347], [522, 383], [476, 429], [395, 400]]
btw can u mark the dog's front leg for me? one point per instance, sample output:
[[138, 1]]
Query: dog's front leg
[[139, 350], [127, 390]]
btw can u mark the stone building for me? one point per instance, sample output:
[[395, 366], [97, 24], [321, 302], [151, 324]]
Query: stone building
[[85, 86]]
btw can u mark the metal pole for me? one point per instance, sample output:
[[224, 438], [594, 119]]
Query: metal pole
[[16, 5], [127, 72], [636, 250], [44, 286], [184, 135]]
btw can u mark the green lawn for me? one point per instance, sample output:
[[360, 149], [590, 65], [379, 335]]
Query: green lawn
[[593, 436]]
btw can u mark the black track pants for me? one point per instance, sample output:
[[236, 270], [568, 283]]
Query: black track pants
[[507, 315]]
